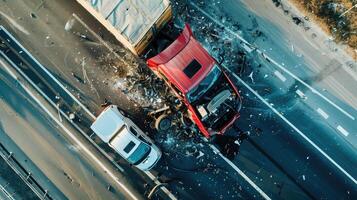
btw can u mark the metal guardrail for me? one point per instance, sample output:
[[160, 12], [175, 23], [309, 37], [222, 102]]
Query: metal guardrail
[[6, 193], [25, 175]]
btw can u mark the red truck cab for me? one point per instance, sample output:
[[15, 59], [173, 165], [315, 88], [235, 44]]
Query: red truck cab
[[196, 78]]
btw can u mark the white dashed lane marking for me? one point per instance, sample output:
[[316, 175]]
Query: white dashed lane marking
[[280, 76], [342, 130], [322, 113], [301, 94], [294, 127], [269, 59]]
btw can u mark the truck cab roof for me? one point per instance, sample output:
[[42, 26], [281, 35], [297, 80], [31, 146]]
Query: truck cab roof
[[185, 62]]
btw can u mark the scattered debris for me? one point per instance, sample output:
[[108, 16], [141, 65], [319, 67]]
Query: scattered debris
[[72, 116], [33, 15], [297, 20], [200, 154], [228, 145], [105, 104], [59, 112], [251, 77], [69, 24], [79, 79]]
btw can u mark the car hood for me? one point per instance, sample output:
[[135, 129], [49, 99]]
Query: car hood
[[151, 160]]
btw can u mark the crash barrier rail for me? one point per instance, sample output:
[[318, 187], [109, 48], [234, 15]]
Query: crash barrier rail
[[6, 193], [25, 175]]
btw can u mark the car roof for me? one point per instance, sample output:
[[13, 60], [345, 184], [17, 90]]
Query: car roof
[[175, 58], [122, 139], [112, 128], [108, 123]]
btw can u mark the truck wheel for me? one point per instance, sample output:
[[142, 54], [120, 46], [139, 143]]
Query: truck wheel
[[163, 123]]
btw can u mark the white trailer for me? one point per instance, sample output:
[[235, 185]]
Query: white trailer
[[133, 22]]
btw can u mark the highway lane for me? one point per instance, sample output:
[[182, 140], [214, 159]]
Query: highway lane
[[279, 93], [308, 57], [166, 166], [28, 129], [335, 127], [303, 163], [317, 119], [253, 156], [62, 59]]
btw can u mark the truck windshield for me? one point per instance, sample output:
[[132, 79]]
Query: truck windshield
[[197, 92], [140, 153]]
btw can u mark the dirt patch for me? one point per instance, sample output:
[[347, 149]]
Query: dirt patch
[[334, 17]]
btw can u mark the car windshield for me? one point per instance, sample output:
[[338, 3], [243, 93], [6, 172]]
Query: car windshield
[[196, 93], [139, 154]]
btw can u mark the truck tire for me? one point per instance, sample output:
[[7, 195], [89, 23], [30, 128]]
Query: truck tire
[[163, 123]]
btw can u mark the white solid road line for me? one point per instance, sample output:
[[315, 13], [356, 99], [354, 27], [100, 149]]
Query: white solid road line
[[261, 192], [149, 174], [71, 135], [342, 130], [240, 172], [164, 189], [280, 76], [273, 61], [322, 113], [249, 49], [294, 127], [219, 23], [60, 112], [48, 73]]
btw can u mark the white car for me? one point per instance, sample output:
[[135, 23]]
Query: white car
[[126, 138]]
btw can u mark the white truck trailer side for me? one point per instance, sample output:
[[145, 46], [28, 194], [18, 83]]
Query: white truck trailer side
[[133, 22]]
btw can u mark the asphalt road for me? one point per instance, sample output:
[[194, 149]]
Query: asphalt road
[[291, 118], [308, 54], [63, 53], [276, 157], [40, 144], [178, 166]]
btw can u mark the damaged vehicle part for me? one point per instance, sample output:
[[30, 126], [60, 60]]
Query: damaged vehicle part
[[195, 77]]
